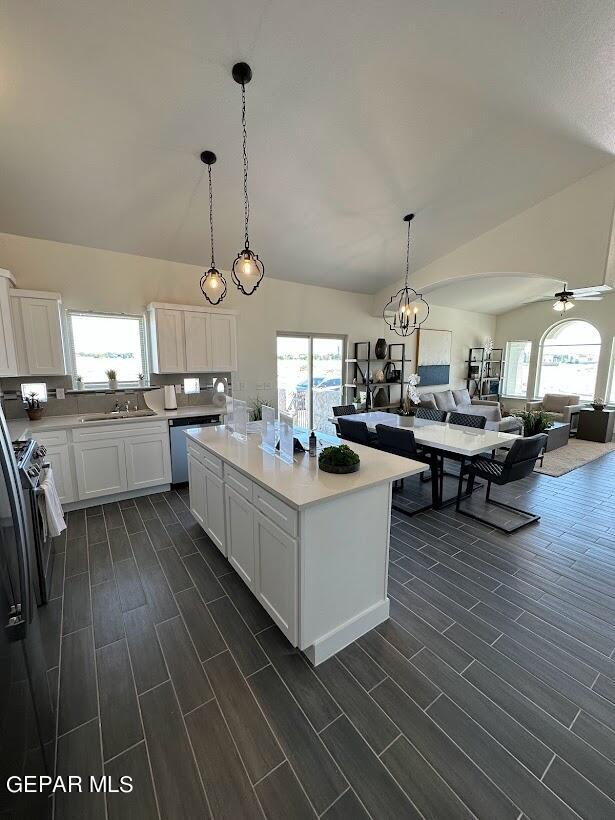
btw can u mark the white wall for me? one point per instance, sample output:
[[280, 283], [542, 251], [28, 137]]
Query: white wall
[[532, 321], [103, 280], [568, 236]]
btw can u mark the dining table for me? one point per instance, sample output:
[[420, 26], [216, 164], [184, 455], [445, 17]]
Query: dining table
[[439, 438]]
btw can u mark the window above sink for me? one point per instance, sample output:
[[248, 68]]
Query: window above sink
[[98, 342]]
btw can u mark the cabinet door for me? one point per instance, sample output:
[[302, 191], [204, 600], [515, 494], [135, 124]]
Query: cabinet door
[[276, 574], [240, 536], [223, 341], [214, 510], [196, 485], [196, 327], [42, 336], [8, 356], [100, 468], [170, 343], [148, 461], [59, 459]]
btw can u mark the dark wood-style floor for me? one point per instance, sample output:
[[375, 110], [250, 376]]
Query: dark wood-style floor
[[489, 693]]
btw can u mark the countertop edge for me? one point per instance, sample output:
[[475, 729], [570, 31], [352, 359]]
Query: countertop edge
[[420, 467]]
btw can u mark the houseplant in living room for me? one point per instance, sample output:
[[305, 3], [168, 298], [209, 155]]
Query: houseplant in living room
[[535, 421], [34, 408], [112, 376]]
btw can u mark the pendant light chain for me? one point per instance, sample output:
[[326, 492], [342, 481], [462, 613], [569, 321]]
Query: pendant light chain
[[246, 201], [211, 218], [408, 255]]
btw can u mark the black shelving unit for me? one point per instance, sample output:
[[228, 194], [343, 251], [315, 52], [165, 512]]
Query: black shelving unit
[[484, 376], [359, 375]]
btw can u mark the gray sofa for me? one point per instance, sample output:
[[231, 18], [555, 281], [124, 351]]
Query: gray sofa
[[459, 401]]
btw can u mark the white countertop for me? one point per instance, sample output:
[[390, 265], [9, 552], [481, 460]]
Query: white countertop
[[20, 427], [454, 438], [302, 484]]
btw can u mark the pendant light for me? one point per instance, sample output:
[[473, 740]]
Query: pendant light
[[248, 270], [213, 284], [408, 308]]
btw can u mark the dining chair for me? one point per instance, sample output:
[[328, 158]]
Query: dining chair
[[519, 463], [356, 431], [344, 410], [468, 420], [430, 413], [401, 442]]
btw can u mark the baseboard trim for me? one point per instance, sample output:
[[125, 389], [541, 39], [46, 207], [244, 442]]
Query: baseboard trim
[[346, 633], [107, 499]]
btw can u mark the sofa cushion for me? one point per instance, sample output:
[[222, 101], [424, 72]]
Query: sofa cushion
[[427, 400], [445, 400], [555, 402], [462, 397], [490, 412]]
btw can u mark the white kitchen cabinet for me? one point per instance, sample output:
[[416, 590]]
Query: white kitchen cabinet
[[240, 536], [196, 328], [100, 467], [192, 339], [276, 574], [59, 458], [8, 353], [196, 485], [37, 325], [214, 510], [148, 461], [223, 341], [168, 341]]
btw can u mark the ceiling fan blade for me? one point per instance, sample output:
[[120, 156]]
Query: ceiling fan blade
[[588, 298]]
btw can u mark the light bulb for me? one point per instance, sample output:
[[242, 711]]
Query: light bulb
[[214, 282], [247, 267]]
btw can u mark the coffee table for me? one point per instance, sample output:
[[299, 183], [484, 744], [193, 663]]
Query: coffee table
[[557, 435]]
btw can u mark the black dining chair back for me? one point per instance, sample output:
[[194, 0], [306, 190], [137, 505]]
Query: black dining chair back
[[430, 413], [344, 410], [397, 441], [519, 463], [356, 431], [468, 420]]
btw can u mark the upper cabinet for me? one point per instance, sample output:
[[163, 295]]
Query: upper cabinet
[[191, 339], [8, 353], [30, 332]]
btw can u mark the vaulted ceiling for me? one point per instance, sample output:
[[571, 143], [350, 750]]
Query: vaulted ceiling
[[359, 111]]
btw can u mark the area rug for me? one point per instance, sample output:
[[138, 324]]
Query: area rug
[[575, 454]]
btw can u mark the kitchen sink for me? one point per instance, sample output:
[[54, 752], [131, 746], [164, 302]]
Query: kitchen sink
[[120, 414]]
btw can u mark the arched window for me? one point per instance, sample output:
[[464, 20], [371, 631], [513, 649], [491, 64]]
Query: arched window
[[568, 359]]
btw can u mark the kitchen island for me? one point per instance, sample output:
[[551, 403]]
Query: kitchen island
[[312, 547]]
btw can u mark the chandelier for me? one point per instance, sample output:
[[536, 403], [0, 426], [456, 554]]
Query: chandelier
[[406, 311]]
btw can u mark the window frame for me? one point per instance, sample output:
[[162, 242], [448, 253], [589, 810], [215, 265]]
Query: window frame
[[541, 351], [72, 358], [505, 392]]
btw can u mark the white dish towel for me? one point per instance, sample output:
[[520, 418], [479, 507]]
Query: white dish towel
[[49, 505]]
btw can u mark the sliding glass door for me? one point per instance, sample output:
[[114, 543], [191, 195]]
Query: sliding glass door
[[310, 368]]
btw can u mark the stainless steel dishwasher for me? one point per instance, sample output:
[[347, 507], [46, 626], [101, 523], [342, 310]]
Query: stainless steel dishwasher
[[177, 436]]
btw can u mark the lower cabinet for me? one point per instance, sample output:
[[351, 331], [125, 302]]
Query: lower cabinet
[[240, 536], [196, 485], [100, 468], [59, 459], [148, 461], [214, 510], [276, 573], [111, 460]]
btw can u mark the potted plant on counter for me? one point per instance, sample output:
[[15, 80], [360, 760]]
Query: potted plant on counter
[[34, 408], [339, 460], [141, 379], [112, 376], [79, 383]]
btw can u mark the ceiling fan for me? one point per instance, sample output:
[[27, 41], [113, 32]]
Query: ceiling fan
[[565, 299]]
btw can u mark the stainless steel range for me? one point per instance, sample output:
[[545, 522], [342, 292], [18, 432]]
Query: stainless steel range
[[30, 458]]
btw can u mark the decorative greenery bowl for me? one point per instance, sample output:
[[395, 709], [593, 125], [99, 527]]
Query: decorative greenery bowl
[[339, 460]]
